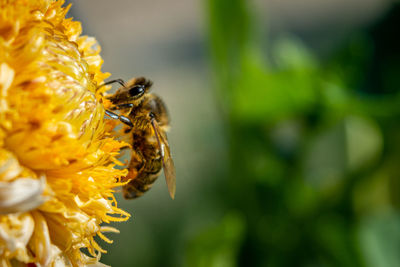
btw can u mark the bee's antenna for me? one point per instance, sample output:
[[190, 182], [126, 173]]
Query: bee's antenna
[[120, 81]]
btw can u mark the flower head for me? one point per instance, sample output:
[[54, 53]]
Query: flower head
[[57, 174]]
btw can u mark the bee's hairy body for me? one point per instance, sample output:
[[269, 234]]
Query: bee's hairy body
[[147, 121], [146, 162], [145, 165]]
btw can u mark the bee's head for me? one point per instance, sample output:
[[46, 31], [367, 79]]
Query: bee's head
[[132, 92]]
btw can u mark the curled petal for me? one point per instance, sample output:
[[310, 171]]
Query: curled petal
[[21, 195], [41, 240], [6, 79], [15, 233], [9, 166]]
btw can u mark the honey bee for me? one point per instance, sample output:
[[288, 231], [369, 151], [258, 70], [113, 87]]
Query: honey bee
[[147, 121]]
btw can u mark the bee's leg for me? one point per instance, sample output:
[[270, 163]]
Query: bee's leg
[[120, 81], [122, 118], [122, 106], [124, 148]]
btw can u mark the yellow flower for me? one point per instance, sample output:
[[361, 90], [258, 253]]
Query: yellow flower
[[57, 174]]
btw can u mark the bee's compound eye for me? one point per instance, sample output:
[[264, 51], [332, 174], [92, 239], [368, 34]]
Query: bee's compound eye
[[136, 90]]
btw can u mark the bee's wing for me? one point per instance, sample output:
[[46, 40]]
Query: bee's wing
[[168, 163]]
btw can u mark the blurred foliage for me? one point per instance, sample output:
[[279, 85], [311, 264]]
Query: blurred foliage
[[217, 246], [314, 148]]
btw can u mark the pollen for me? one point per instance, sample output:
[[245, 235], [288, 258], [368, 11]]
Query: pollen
[[57, 157]]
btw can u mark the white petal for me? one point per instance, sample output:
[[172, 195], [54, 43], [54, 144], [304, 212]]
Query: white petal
[[6, 79], [21, 195], [93, 262], [9, 166], [16, 232], [41, 240], [98, 264]]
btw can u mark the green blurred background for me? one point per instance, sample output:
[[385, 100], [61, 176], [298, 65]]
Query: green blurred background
[[285, 129]]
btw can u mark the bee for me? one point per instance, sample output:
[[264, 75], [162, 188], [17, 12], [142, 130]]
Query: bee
[[145, 117]]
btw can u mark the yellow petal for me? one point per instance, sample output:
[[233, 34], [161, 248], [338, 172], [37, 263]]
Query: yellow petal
[[57, 158]]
